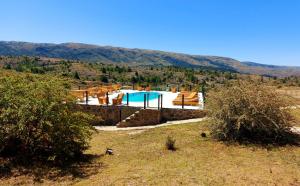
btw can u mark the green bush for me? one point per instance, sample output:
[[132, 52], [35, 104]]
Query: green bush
[[250, 113], [37, 119]]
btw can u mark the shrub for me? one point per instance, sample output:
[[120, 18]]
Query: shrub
[[76, 75], [37, 119], [104, 79], [250, 113], [170, 143], [203, 134]]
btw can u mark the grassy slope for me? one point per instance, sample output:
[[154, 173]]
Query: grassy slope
[[141, 158]]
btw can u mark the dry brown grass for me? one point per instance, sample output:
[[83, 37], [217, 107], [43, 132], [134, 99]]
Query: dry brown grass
[[12, 173], [142, 159], [293, 92], [296, 114]]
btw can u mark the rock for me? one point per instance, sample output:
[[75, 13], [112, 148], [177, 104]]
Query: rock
[[109, 151]]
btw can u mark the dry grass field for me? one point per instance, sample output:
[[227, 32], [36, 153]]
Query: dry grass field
[[140, 158], [296, 114], [293, 92]]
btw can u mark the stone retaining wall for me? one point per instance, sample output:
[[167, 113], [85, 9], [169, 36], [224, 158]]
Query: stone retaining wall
[[110, 115], [107, 115], [142, 118], [168, 114]]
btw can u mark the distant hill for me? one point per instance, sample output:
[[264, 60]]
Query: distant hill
[[107, 54]]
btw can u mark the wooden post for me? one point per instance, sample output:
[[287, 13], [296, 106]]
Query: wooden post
[[158, 102], [182, 101], [127, 94], [144, 101], [161, 101], [86, 97], [203, 92], [107, 100]]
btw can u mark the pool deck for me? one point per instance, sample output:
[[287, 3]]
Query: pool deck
[[168, 97]]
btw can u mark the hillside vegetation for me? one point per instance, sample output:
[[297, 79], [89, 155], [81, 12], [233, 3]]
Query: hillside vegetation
[[159, 77], [138, 57]]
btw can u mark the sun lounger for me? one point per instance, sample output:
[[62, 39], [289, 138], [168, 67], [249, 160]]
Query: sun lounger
[[173, 89], [116, 87], [140, 88], [190, 99], [187, 95], [183, 90], [102, 100], [194, 102], [118, 99], [79, 94], [192, 95], [102, 97], [101, 93], [92, 91]]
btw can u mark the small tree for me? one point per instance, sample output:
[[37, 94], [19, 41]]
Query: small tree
[[104, 79], [249, 112], [76, 75], [37, 119]]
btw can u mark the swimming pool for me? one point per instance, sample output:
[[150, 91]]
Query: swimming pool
[[139, 96]]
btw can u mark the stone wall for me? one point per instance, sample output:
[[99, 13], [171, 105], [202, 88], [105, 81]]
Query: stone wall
[[142, 118], [107, 115], [168, 114], [112, 115]]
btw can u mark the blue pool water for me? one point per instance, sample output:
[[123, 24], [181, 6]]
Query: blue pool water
[[139, 96]]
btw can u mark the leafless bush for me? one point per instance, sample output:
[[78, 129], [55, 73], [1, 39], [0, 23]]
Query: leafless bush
[[253, 113]]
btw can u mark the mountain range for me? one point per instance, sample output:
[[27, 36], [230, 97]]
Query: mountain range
[[118, 55]]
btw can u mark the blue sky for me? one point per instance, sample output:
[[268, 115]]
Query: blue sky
[[264, 31]]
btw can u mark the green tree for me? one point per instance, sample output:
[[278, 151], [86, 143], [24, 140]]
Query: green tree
[[76, 75], [103, 70], [104, 79], [7, 66], [37, 119]]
